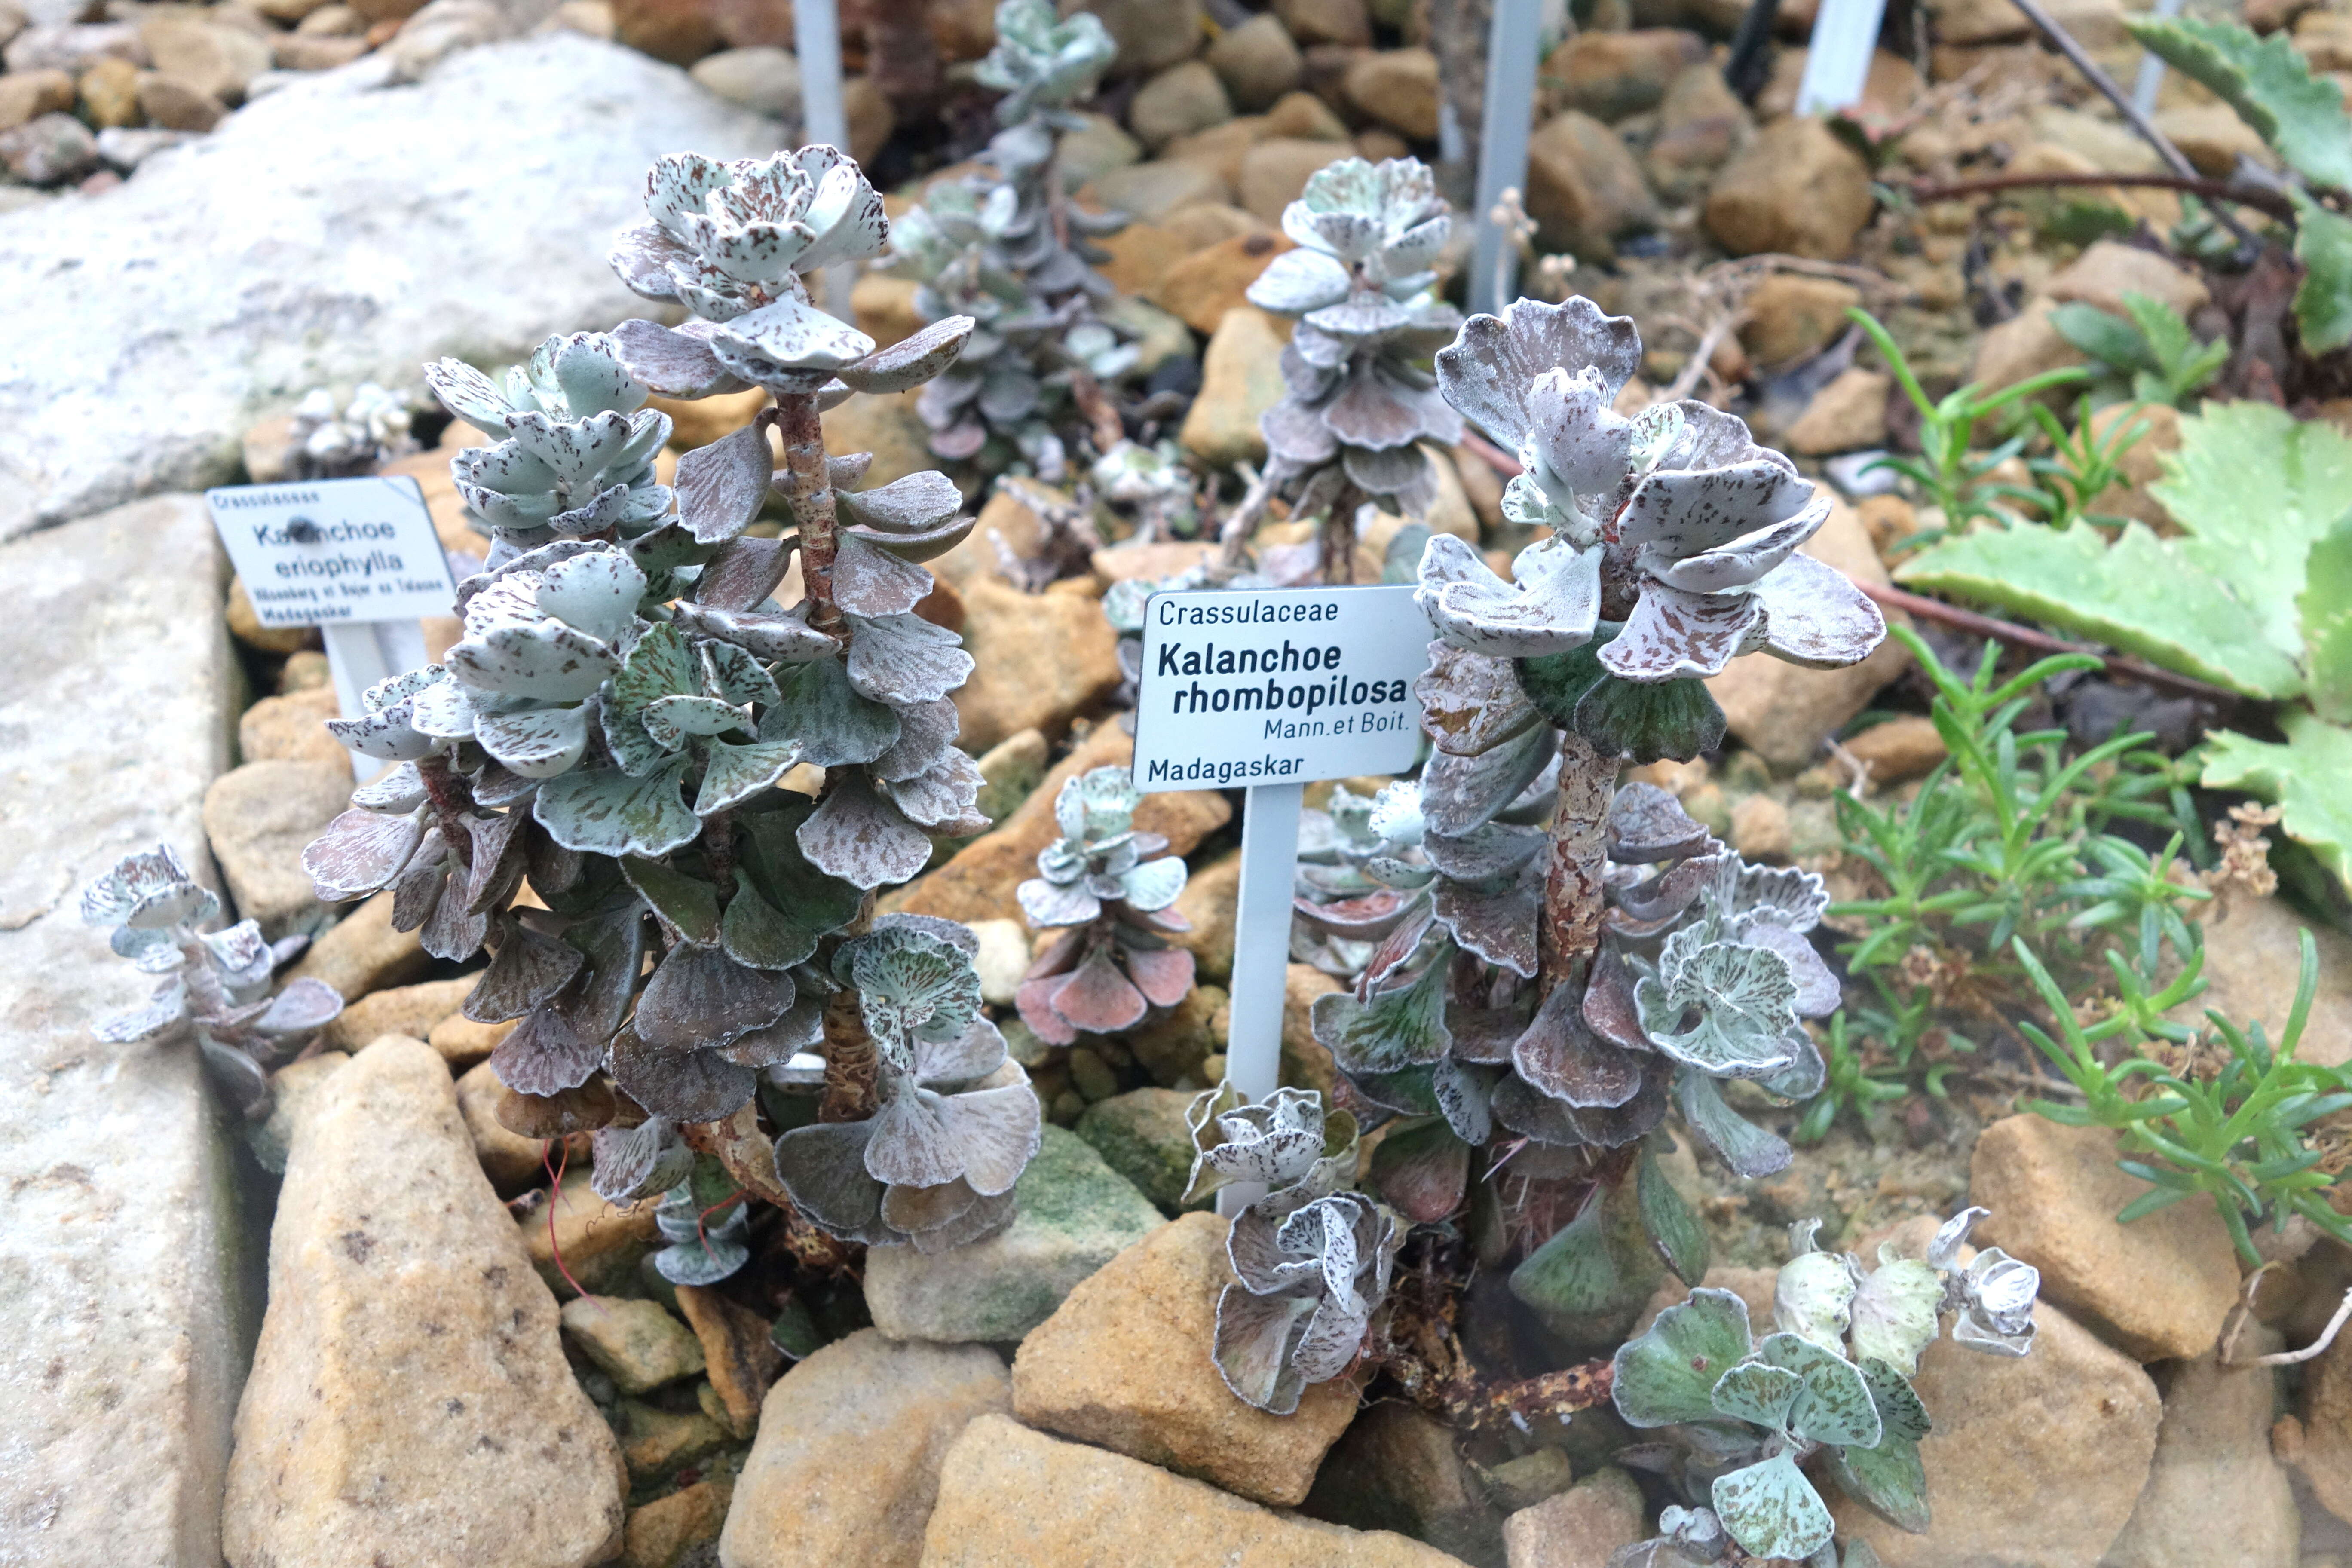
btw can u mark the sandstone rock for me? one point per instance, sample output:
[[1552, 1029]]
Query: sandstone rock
[[1581, 1527], [293, 1090], [1534, 1477], [1302, 117], [2074, 1420], [228, 322], [1257, 61], [1397, 1468], [292, 729], [1899, 750], [259, 818], [410, 1010], [2324, 1454], [109, 94], [2253, 956], [1183, 98], [1849, 414], [1397, 87], [1142, 1135], [1210, 897], [883, 307], [2214, 1442], [1173, 1047], [1759, 829], [1200, 287], [1889, 88], [176, 105], [1151, 191], [213, 59], [1275, 170], [2212, 137], [847, 1462], [1702, 125], [1784, 711], [1611, 75], [1150, 33], [885, 426], [599, 1242], [2105, 273], [765, 80], [247, 627], [1241, 378], [48, 150], [1003, 959], [663, 1531], [361, 952], [2158, 1287], [462, 1042], [26, 95], [1075, 1216], [315, 53], [1010, 771], [1306, 1060], [656, 1442], [977, 882], [121, 1342], [2025, 345], [1099, 144], [678, 31], [1123, 1364], [743, 1360], [1797, 189], [510, 1161], [1326, 21], [1044, 659], [871, 115], [639, 1345], [1791, 315], [406, 1338], [72, 47], [1584, 188]]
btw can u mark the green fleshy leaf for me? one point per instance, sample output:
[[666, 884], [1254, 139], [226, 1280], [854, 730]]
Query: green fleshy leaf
[[1597, 1264], [1557, 682], [1834, 1405], [834, 726], [1748, 1148], [1404, 1028], [2268, 83], [1757, 1392], [2326, 607], [2322, 300], [1894, 1313], [732, 775], [603, 811], [1667, 1376], [1645, 720], [1772, 1510], [2104, 337], [1889, 1480], [1900, 1412], [2309, 778], [687, 905], [794, 903], [1677, 1234]]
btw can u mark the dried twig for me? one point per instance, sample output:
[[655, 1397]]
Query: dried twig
[[2254, 196], [2244, 1310]]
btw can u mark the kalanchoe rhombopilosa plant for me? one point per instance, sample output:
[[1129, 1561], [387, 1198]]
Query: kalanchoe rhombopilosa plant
[[1561, 990], [1357, 392], [1007, 248], [215, 983], [1832, 1384], [1311, 1258], [629, 692], [955, 1120], [1114, 963]]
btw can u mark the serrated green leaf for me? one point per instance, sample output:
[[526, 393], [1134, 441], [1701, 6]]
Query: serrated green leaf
[[2326, 607], [1677, 1234], [1397, 1029], [1772, 1510], [2269, 86], [2309, 777], [1667, 1376], [2322, 300]]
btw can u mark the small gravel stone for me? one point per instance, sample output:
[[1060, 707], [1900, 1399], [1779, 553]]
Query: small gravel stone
[[639, 1345]]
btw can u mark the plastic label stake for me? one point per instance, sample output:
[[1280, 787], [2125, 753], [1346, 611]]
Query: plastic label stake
[[359, 559], [1272, 689], [1837, 63]]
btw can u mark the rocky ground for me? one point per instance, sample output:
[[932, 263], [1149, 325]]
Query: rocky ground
[[381, 1327]]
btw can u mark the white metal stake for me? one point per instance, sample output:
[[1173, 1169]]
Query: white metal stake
[[2151, 66], [360, 654], [1837, 62], [1504, 123], [816, 38], [1261, 952]]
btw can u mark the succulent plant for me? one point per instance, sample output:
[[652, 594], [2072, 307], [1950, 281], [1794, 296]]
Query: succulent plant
[[215, 983], [1115, 963], [956, 1120], [1832, 1381], [1004, 247], [615, 723], [331, 439], [1358, 393], [1287, 1141]]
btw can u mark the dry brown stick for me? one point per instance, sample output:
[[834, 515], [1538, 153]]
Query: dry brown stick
[[2010, 632], [2264, 201]]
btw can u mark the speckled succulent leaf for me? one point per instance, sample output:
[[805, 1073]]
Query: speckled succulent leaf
[[1281, 1140], [861, 838], [638, 1161], [1748, 1148], [1900, 1413], [1704, 530], [1716, 1005], [1398, 1028], [1459, 794], [1672, 634], [1492, 366], [1582, 447], [671, 362], [915, 987], [1298, 281], [469, 394], [1673, 1229], [687, 906], [904, 658], [703, 1249], [527, 970], [1812, 1296], [789, 334], [784, 637], [359, 853], [1833, 1403], [834, 724], [1815, 616], [1772, 1510], [1666, 1376], [1889, 1479], [604, 811], [1553, 606], [912, 361], [720, 486], [1470, 702], [1757, 1393], [1895, 1314], [700, 998], [167, 1010]]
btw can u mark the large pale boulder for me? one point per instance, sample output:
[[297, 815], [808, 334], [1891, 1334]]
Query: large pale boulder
[[375, 228], [122, 1308]]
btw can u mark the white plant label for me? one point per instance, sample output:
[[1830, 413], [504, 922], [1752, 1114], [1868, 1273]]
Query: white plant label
[[1278, 685], [325, 552]]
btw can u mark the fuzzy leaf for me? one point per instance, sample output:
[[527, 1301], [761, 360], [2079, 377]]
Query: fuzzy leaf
[[1666, 1377], [604, 811], [687, 907], [1676, 1232], [1758, 1394], [911, 361], [720, 486], [833, 724], [1772, 1510], [1399, 1028], [1743, 999], [684, 1086], [1895, 1314], [863, 840], [1834, 1405], [1747, 1148], [1595, 1265]]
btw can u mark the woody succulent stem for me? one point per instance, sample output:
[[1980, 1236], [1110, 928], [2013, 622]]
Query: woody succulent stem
[[1579, 853], [808, 490]]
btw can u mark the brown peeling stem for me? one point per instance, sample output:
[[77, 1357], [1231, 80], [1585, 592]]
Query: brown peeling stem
[[449, 802], [808, 490], [749, 1154], [1571, 930], [2010, 632], [850, 1066]]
